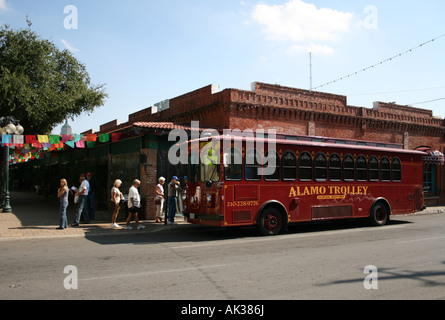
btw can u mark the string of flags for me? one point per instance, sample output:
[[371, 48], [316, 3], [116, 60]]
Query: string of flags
[[24, 148]]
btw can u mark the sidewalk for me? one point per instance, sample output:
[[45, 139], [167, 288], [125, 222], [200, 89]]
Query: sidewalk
[[36, 217]]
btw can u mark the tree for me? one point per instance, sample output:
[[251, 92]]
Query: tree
[[41, 85]]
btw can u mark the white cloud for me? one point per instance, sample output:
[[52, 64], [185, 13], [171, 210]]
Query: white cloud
[[68, 45], [301, 25], [4, 6]]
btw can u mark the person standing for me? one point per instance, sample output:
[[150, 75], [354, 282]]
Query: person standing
[[134, 205], [173, 191], [62, 194], [159, 199], [90, 198], [82, 207], [116, 197]]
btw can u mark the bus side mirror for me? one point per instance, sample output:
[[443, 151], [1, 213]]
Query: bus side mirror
[[209, 183]]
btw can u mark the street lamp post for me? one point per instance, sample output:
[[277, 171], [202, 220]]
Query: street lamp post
[[8, 125]]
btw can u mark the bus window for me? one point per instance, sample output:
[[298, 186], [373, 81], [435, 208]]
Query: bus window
[[385, 169], [334, 167], [362, 168], [252, 165], [210, 167], [193, 172], [305, 166], [289, 166], [374, 174], [275, 176], [321, 167], [396, 170], [348, 168], [233, 165]]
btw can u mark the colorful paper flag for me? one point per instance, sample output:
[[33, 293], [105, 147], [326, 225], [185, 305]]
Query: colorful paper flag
[[43, 139], [115, 137], [18, 141], [104, 137], [6, 140]]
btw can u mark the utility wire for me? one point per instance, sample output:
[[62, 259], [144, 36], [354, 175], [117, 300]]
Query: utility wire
[[412, 104], [380, 63], [393, 92]]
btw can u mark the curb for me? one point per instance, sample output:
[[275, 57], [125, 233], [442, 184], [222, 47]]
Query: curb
[[95, 230]]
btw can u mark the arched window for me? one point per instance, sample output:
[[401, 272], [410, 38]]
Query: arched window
[[321, 167], [396, 170], [362, 168], [348, 168], [252, 165], [385, 169], [233, 165], [271, 171], [305, 166], [374, 172], [289, 165], [334, 167]]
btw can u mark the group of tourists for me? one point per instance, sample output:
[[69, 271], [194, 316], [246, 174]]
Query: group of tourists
[[84, 198]]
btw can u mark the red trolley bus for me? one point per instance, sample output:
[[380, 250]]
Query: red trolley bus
[[309, 181]]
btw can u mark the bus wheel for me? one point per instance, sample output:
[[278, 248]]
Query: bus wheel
[[270, 222], [379, 215]]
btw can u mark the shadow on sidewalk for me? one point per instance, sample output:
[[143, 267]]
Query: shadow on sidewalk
[[36, 210], [37, 216]]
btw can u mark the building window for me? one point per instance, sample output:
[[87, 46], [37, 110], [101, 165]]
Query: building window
[[429, 178], [305, 166], [289, 164]]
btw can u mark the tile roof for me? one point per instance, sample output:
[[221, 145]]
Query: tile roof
[[162, 125]]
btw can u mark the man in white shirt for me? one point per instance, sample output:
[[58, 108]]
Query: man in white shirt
[[134, 205], [82, 207]]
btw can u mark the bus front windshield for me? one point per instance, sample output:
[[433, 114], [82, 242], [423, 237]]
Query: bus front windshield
[[209, 165]]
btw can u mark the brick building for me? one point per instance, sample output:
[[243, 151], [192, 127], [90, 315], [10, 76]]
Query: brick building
[[143, 148]]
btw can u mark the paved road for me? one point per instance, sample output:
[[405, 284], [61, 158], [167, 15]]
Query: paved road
[[309, 262]]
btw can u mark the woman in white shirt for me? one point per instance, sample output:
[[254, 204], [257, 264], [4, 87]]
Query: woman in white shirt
[[134, 205], [116, 197]]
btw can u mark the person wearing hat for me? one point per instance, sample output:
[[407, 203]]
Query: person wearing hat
[[173, 191]]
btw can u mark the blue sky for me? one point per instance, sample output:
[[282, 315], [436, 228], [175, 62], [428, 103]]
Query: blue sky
[[149, 51]]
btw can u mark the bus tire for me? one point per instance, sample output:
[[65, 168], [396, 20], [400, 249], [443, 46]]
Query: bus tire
[[379, 214], [270, 221]]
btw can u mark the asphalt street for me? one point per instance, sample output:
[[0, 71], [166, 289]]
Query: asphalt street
[[310, 262]]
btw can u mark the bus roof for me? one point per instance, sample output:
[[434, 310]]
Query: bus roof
[[281, 141]]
